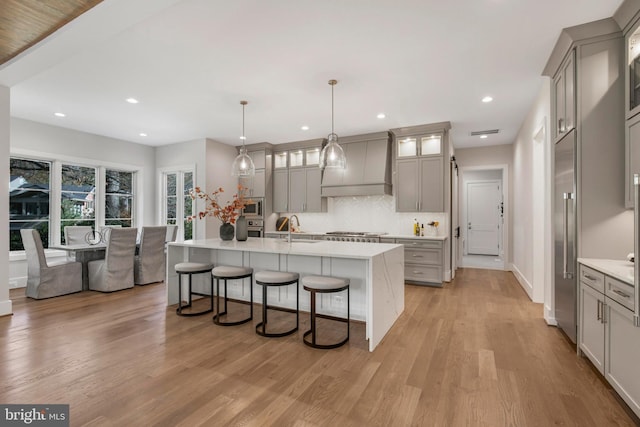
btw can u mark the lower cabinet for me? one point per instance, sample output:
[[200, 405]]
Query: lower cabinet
[[606, 333], [592, 325], [622, 348], [422, 260]]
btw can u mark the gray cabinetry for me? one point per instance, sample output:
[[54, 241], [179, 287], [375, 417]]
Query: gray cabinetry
[[281, 190], [607, 335], [564, 97], [419, 184], [591, 335], [304, 190], [632, 164], [423, 260], [622, 347]]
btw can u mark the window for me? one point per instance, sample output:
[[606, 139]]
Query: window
[[118, 205], [49, 195], [179, 204], [77, 197], [29, 194]]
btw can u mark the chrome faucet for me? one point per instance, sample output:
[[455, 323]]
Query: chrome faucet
[[291, 225]]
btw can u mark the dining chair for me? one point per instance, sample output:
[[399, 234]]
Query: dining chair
[[115, 271], [172, 233], [150, 261], [75, 235], [48, 279]]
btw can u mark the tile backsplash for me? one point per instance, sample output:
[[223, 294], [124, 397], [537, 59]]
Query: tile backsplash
[[367, 213]]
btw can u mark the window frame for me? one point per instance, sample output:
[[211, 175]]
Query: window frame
[[55, 193], [180, 171]]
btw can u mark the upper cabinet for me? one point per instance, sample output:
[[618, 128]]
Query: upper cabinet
[[296, 178], [564, 94], [420, 182], [632, 60]]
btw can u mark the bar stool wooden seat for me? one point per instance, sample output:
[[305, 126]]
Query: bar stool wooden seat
[[267, 279], [323, 285], [191, 268], [225, 272]]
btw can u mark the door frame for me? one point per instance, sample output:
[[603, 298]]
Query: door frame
[[500, 225], [506, 222]]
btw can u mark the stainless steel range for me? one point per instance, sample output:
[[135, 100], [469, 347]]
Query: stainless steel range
[[351, 236]]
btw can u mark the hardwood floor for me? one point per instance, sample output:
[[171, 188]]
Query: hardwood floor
[[474, 353]]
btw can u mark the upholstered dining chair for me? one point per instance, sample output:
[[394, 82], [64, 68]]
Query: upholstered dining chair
[[115, 271], [48, 279], [172, 233], [150, 262], [75, 235]]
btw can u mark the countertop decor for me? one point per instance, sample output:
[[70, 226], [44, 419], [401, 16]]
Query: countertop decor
[[227, 213]]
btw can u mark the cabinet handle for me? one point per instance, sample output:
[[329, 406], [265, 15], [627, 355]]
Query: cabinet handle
[[417, 208], [586, 276], [417, 272], [599, 314], [561, 128], [565, 236], [622, 294], [417, 256]]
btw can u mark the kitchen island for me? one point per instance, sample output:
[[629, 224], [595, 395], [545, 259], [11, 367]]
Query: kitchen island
[[376, 273]]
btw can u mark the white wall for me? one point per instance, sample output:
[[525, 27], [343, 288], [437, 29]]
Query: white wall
[[212, 161], [489, 158], [530, 203], [35, 138], [5, 124]]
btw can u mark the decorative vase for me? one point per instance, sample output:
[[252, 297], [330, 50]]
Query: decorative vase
[[241, 229], [226, 231]]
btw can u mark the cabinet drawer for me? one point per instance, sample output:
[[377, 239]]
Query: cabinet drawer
[[409, 243], [422, 273], [620, 292], [422, 256], [592, 277]]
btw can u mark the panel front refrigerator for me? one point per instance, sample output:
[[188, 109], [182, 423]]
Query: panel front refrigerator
[[565, 260]]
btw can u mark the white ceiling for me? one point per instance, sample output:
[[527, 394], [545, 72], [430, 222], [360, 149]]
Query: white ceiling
[[190, 63]]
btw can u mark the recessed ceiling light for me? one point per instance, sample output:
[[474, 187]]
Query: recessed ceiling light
[[143, 134], [59, 114], [487, 99], [305, 127], [484, 136], [381, 116], [132, 101]]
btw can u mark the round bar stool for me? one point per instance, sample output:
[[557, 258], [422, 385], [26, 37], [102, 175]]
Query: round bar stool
[[324, 285], [192, 268], [267, 279], [225, 273]]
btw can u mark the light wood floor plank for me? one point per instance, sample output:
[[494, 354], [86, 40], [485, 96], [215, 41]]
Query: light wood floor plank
[[476, 352]]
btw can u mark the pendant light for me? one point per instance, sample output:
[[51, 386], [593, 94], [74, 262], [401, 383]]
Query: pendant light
[[243, 165], [332, 155]]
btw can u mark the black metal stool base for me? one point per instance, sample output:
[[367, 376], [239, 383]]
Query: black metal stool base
[[216, 317], [312, 331], [188, 305], [261, 327]]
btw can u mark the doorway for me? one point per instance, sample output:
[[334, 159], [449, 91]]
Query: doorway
[[482, 218]]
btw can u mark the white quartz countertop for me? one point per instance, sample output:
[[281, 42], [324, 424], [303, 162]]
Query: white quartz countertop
[[382, 236], [621, 270], [324, 248]]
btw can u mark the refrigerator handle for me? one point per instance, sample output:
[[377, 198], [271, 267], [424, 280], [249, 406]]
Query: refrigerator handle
[[636, 234], [565, 236]]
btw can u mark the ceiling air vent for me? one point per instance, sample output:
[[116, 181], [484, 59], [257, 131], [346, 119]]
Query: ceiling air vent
[[484, 132]]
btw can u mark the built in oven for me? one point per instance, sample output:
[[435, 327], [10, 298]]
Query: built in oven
[[253, 208], [255, 228]]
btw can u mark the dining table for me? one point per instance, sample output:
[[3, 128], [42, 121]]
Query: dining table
[[83, 254]]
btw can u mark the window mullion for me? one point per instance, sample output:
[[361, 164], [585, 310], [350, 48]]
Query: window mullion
[[55, 202], [100, 201]]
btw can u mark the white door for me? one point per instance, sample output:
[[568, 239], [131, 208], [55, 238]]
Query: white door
[[483, 217]]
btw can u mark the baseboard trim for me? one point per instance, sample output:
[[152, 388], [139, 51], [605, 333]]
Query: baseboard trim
[[6, 308], [550, 317], [528, 287]]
